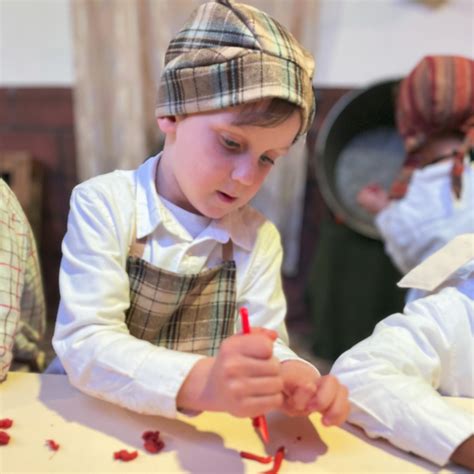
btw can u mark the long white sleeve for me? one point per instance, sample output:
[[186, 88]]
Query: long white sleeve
[[397, 375]]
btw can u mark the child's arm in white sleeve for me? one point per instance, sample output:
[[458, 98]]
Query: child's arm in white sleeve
[[91, 337], [394, 376]]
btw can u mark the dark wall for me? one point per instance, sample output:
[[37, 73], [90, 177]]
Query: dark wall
[[314, 210], [40, 122]]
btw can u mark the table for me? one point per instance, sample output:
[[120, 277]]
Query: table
[[89, 431]]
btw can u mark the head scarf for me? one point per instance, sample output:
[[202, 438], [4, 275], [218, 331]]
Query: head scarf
[[436, 97], [229, 54]]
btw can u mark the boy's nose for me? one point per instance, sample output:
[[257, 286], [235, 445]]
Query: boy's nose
[[244, 170]]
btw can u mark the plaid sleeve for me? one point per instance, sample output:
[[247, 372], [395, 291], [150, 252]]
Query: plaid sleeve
[[22, 307]]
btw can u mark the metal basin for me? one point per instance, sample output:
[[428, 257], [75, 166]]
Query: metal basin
[[358, 144]]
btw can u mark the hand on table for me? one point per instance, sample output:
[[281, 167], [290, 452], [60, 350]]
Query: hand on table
[[305, 391], [243, 379], [373, 198]]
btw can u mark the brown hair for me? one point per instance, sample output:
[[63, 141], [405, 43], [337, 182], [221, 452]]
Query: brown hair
[[265, 113]]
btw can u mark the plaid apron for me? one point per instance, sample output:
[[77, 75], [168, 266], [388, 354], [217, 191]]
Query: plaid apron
[[189, 313]]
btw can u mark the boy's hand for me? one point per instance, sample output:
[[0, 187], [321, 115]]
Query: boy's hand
[[305, 391], [373, 198], [243, 379]]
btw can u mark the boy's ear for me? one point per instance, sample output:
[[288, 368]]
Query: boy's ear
[[167, 124]]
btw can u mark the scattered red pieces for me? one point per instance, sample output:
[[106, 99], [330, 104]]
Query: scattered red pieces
[[125, 455], [279, 456], [256, 457], [153, 443], [256, 422], [4, 437], [52, 444], [6, 423], [277, 460]]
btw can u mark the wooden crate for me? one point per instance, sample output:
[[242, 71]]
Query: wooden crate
[[25, 177]]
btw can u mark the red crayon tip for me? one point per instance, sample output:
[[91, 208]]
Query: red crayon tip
[[264, 429], [244, 316]]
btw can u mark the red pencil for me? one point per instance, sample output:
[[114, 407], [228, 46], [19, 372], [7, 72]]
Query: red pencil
[[258, 422]]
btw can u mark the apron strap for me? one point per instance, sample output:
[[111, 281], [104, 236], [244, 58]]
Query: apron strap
[[138, 247]]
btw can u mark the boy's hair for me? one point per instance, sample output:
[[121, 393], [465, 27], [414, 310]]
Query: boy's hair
[[265, 113], [229, 54]]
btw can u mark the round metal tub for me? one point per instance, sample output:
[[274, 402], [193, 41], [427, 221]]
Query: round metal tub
[[356, 145]]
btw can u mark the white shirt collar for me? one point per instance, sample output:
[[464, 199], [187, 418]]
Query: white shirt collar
[[151, 213], [455, 259]]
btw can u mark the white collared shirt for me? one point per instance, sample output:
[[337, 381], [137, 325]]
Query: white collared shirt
[[91, 338], [397, 375], [428, 217]]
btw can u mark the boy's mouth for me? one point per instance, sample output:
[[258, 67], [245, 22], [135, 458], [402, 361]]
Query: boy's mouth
[[226, 197]]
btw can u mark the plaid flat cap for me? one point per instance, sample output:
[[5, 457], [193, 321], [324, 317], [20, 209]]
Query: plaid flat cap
[[229, 54]]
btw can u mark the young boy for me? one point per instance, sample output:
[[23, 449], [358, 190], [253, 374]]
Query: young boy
[[22, 307], [396, 375], [158, 261], [432, 200]]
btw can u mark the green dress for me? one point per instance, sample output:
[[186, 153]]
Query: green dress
[[351, 286]]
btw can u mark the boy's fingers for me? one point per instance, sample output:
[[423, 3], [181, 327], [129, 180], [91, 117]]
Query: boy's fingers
[[243, 366], [301, 396], [255, 406], [254, 345], [270, 333], [325, 394], [339, 410], [264, 368], [261, 386]]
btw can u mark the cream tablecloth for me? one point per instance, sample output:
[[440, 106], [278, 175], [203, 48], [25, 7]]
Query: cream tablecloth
[[90, 431]]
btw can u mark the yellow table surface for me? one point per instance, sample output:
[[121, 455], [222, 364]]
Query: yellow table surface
[[90, 431]]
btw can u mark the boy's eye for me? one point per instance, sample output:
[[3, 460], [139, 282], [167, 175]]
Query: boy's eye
[[267, 160], [235, 146], [231, 144]]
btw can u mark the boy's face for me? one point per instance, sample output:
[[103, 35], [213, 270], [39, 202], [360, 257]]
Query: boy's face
[[211, 167]]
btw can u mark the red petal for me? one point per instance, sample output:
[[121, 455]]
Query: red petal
[[6, 423], [150, 435], [153, 446], [125, 455], [4, 437], [52, 444]]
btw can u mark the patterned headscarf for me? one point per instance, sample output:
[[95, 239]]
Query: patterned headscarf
[[436, 97], [229, 54]]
